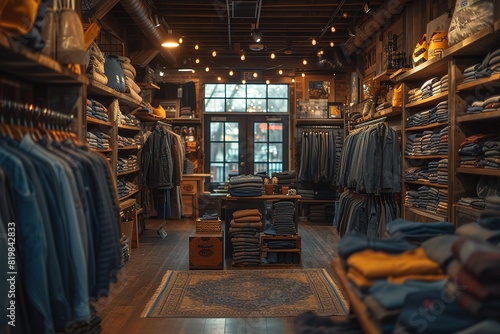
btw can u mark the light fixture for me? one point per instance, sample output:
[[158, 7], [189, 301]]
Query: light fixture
[[273, 55], [303, 74], [366, 7], [231, 73], [314, 42], [170, 41], [180, 40], [214, 53], [332, 29], [196, 47], [255, 74], [162, 73], [243, 81], [193, 71], [197, 61], [332, 44], [242, 57], [156, 21], [280, 72], [219, 78], [207, 69], [304, 61], [344, 15], [185, 66], [288, 47], [293, 79], [256, 35], [268, 82]]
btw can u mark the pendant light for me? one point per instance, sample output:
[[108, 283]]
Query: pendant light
[[170, 41]]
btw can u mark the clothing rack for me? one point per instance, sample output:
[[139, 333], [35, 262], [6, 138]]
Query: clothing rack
[[370, 122], [167, 125]]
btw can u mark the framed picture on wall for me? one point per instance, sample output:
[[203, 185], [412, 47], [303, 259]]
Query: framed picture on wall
[[367, 87], [319, 88], [354, 88], [335, 110], [172, 108], [314, 108]]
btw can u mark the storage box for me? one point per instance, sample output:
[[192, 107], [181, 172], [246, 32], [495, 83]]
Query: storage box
[[208, 226], [206, 251]]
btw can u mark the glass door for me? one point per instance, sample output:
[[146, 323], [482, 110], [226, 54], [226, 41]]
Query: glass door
[[245, 144]]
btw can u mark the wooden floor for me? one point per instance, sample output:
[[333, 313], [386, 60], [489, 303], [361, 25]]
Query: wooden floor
[[141, 275]]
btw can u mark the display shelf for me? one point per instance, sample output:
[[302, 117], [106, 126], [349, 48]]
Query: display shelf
[[91, 120], [264, 250], [468, 208], [394, 75], [491, 115], [387, 112], [147, 85], [19, 60], [426, 127], [435, 185], [320, 121], [127, 203], [431, 68], [132, 193], [181, 120], [129, 148], [106, 150], [426, 213], [437, 156], [98, 88], [263, 198], [317, 201], [479, 171], [473, 85], [355, 303], [428, 102], [478, 43], [128, 172], [129, 127], [384, 75]]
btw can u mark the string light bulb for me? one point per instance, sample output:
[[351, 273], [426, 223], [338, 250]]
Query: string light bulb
[[280, 72], [242, 57], [207, 69], [332, 44], [332, 29], [344, 15], [180, 40], [273, 55], [196, 47], [214, 53], [303, 74], [197, 61], [255, 74], [231, 73], [313, 41], [243, 81], [268, 82], [293, 79], [219, 78], [304, 61]]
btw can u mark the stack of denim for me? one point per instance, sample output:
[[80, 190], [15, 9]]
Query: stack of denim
[[95, 67], [427, 143], [444, 83], [492, 103], [443, 202], [306, 193], [425, 197], [245, 237], [475, 107], [426, 88], [490, 217], [489, 66], [121, 185], [246, 185], [414, 173], [436, 87], [126, 163], [471, 150], [472, 202], [491, 150], [414, 94], [124, 141], [443, 141], [422, 118], [443, 171], [470, 73], [442, 112], [283, 218], [411, 141], [418, 232], [98, 140], [97, 110], [127, 119], [432, 169], [286, 178]]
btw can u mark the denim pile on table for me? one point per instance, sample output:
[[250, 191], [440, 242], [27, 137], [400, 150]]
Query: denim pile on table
[[417, 232], [472, 151], [127, 119], [319, 154], [97, 110], [403, 286], [365, 213], [245, 237], [377, 146], [125, 141], [490, 65], [283, 218], [246, 185], [132, 89], [286, 178], [95, 66], [98, 140], [126, 163]]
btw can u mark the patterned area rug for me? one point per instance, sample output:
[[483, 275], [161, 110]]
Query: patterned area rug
[[246, 293]]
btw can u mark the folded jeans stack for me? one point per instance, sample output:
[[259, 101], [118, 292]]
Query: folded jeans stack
[[444, 83], [245, 237], [418, 232], [476, 107], [127, 119], [246, 185], [286, 178], [492, 103], [283, 218], [98, 140], [97, 110], [426, 88]]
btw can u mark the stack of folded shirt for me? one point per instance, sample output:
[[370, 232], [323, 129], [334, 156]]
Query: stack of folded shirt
[[383, 106], [443, 202], [444, 83], [418, 232], [489, 65], [473, 202], [414, 173], [490, 216], [246, 185], [98, 140], [427, 142], [286, 178], [442, 112], [475, 107], [122, 188], [283, 218], [422, 118], [491, 151], [305, 193], [433, 169], [95, 68], [186, 112], [411, 198], [132, 89], [127, 119], [436, 87], [443, 141], [426, 88], [413, 144], [470, 73], [491, 103], [442, 174], [126, 141], [97, 110], [245, 237], [126, 163], [471, 150]]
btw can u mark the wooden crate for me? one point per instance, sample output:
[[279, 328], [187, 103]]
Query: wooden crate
[[206, 251]]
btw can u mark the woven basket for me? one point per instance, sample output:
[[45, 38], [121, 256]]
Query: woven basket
[[208, 226]]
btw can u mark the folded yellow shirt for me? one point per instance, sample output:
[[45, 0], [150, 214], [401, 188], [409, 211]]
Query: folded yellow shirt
[[377, 265]]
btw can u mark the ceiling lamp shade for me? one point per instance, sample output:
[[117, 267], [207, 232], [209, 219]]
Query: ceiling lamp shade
[[170, 41], [288, 47], [366, 7], [256, 35], [156, 21]]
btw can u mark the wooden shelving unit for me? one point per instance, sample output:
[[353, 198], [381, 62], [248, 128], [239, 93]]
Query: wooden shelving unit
[[478, 171], [422, 183], [426, 213], [128, 172], [429, 102], [487, 116], [91, 120], [265, 250], [439, 156], [426, 127]]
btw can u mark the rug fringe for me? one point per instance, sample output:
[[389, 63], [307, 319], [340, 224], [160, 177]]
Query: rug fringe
[[343, 300], [149, 306]]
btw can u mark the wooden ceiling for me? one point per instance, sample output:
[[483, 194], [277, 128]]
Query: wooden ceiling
[[225, 26]]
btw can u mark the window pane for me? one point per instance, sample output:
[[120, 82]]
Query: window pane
[[260, 167], [236, 105], [275, 152], [256, 91], [232, 131], [217, 152], [214, 90], [277, 91], [214, 105], [232, 152], [256, 105], [275, 131], [275, 167], [260, 132], [233, 90], [216, 131], [217, 172], [277, 105], [260, 152]]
